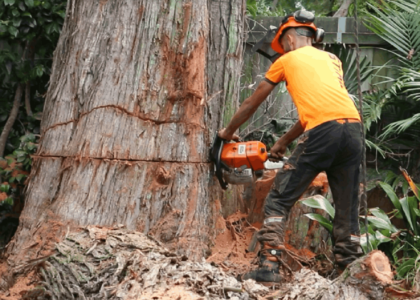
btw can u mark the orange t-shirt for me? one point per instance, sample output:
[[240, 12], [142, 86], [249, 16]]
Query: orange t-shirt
[[314, 79]]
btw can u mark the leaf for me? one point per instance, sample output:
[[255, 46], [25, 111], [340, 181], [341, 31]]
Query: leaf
[[15, 12], [405, 267], [29, 3], [409, 204], [393, 197], [381, 224], [372, 242], [33, 23], [39, 71], [16, 22], [22, 6], [381, 238], [9, 2], [4, 188], [322, 203], [9, 201], [379, 213], [20, 176], [323, 221], [13, 31]]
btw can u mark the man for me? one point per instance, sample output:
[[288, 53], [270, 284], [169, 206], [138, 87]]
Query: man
[[332, 142]]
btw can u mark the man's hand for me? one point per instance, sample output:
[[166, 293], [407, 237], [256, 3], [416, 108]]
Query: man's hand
[[228, 137], [279, 149]]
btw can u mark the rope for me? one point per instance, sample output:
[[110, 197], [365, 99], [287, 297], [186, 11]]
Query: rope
[[363, 198]]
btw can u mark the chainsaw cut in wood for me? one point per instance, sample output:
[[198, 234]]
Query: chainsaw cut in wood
[[239, 162]]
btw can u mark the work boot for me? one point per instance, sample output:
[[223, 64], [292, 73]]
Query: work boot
[[270, 237], [268, 269]]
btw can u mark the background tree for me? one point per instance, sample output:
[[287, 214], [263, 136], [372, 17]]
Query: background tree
[[29, 32]]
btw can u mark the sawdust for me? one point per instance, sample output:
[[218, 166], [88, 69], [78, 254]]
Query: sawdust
[[230, 250], [21, 287]]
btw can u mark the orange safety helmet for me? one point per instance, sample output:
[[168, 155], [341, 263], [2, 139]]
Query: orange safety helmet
[[300, 18]]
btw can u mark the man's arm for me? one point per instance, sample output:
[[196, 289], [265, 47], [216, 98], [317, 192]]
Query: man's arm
[[279, 148], [248, 107]]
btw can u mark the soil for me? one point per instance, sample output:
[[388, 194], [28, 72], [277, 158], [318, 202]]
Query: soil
[[231, 245], [22, 285]]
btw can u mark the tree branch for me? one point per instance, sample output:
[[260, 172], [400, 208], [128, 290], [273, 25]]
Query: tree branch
[[343, 10], [12, 118], [28, 98]]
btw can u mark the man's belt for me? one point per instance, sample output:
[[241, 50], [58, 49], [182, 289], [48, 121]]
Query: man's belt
[[347, 120]]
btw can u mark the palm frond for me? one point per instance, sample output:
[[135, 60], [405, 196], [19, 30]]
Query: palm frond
[[411, 80], [371, 145], [400, 126], [348, 59], [400, 28]]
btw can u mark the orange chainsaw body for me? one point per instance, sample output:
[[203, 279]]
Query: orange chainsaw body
[[252, 154]]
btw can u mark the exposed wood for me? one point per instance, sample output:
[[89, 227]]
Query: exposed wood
[[366, 278], [370, 274]]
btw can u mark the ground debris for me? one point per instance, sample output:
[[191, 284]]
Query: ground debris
[[309, 285], [115, 263]]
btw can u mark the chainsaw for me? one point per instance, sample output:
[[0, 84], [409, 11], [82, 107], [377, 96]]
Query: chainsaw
[[240, 163]]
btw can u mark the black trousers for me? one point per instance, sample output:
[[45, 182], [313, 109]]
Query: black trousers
[[334, 147]]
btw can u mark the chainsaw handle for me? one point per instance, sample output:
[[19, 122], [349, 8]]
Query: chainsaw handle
[[275, 158]]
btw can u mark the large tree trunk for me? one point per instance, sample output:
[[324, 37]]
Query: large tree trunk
[[138, 90]]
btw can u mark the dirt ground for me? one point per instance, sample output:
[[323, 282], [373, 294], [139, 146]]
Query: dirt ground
[[21, 286]]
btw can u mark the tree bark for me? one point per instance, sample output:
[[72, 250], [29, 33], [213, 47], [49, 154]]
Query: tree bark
[[28, 98], [11, 120], [344, 9], [138, 90]]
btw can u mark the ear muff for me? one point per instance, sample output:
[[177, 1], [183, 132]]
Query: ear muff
[[319, 35]]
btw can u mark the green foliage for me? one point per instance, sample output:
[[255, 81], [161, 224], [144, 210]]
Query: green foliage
[[14, 169], [399, 244], [262, 8], [398, 23], [322, 203], [327, 224], [29, 31], [348, 59]]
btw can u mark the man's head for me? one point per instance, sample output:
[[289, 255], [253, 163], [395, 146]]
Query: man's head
[[295, 38], [298, 37]]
